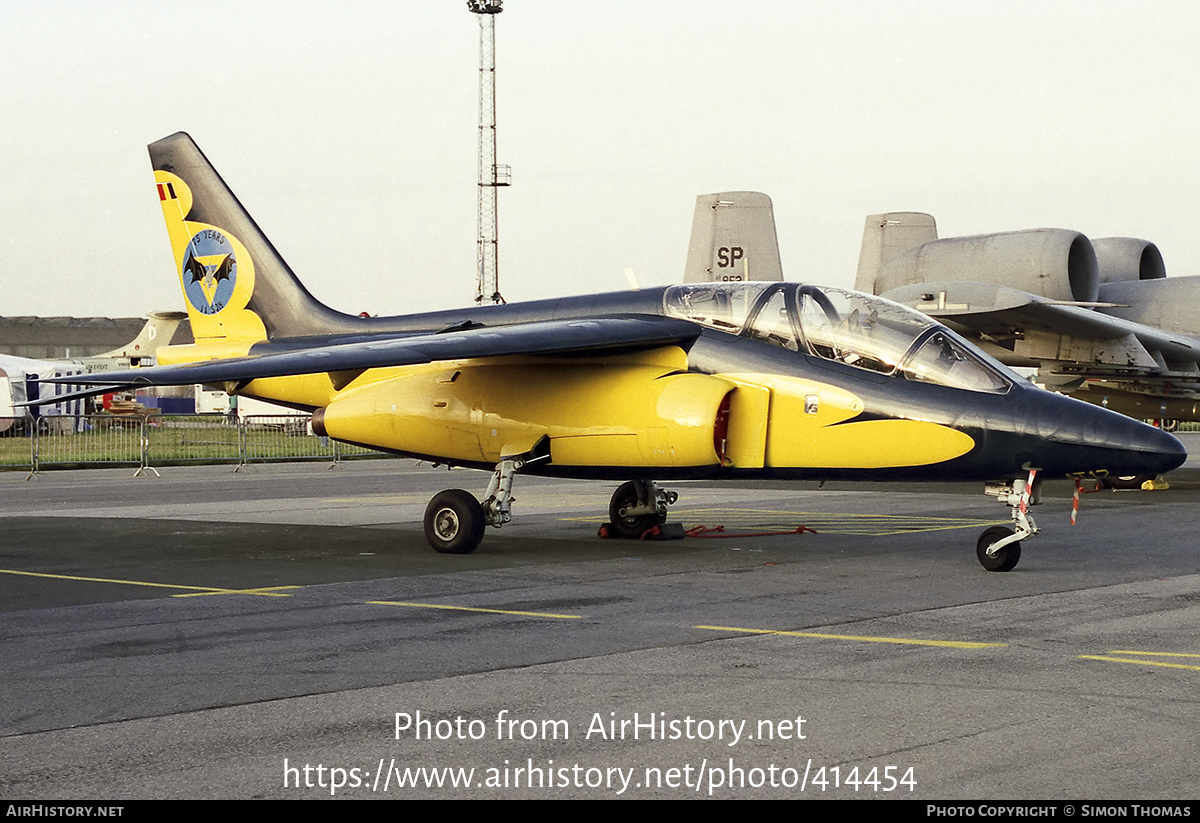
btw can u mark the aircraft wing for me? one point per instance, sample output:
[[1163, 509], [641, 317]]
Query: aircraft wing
[[1041, 329], [590, 337]]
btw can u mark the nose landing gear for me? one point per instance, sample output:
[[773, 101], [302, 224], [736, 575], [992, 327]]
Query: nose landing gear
[[999, 547]]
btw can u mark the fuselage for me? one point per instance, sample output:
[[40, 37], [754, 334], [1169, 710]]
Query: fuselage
[[806, 382]]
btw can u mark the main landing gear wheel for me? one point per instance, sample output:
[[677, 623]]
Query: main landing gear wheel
[[1003, 560], [454, 522], [626, 525]]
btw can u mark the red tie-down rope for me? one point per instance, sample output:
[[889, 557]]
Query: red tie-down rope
[[710, 533]]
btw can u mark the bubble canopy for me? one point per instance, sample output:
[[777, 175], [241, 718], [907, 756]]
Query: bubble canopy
[[857, 329]]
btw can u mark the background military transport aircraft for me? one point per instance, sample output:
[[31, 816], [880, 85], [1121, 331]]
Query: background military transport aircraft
[[701, 380], [1098, 318]]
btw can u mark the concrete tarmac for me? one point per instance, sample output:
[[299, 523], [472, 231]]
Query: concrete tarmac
[[285, 632]]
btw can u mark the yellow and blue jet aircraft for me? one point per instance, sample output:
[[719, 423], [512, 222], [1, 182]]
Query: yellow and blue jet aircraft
[[702, 380]]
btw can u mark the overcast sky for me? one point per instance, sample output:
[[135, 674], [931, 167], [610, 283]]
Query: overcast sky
[[348, 130]]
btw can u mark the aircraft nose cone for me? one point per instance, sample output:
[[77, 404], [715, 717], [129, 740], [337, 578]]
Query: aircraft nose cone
[[1093, 439], [1153, 451]]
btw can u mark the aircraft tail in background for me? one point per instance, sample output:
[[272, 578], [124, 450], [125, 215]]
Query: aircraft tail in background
[[887, 235], [733, 239], [159, 329]]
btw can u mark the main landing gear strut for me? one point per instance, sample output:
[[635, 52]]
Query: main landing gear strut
[[999, 548], [455, 520]]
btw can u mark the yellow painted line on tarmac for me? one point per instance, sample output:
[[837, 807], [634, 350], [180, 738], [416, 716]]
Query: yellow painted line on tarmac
[[472, 609], [877, 532], [380, 498], [1152, 654], [1141, 662], [904, 641], [265, 592]]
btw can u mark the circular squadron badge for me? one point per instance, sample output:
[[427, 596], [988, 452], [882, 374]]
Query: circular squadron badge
[[209, 271]]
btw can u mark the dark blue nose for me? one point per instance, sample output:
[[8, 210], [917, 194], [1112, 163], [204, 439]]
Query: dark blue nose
[[1148, 450], [1078, 437]]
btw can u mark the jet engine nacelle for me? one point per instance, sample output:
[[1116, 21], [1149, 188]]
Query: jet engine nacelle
[[903, 249], [1053, 263], [603, 414], [1127, 258]]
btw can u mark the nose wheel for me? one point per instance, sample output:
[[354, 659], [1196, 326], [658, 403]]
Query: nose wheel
[[1002, 560]]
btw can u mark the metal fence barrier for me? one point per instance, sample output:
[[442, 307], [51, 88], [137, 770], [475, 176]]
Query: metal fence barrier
[[290, 437], [70, 441]]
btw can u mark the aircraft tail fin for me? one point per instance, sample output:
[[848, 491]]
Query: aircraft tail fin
[[887, 235], [733, 238], [237, 287], [158, 331]]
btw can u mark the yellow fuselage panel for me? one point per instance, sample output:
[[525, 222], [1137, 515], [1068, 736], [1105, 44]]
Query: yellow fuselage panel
[[319, 390], [311, 390], [806, 428], [875, 444], [609, 414]]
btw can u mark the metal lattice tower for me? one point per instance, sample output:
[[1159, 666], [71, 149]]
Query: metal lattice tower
[[491, 175]]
